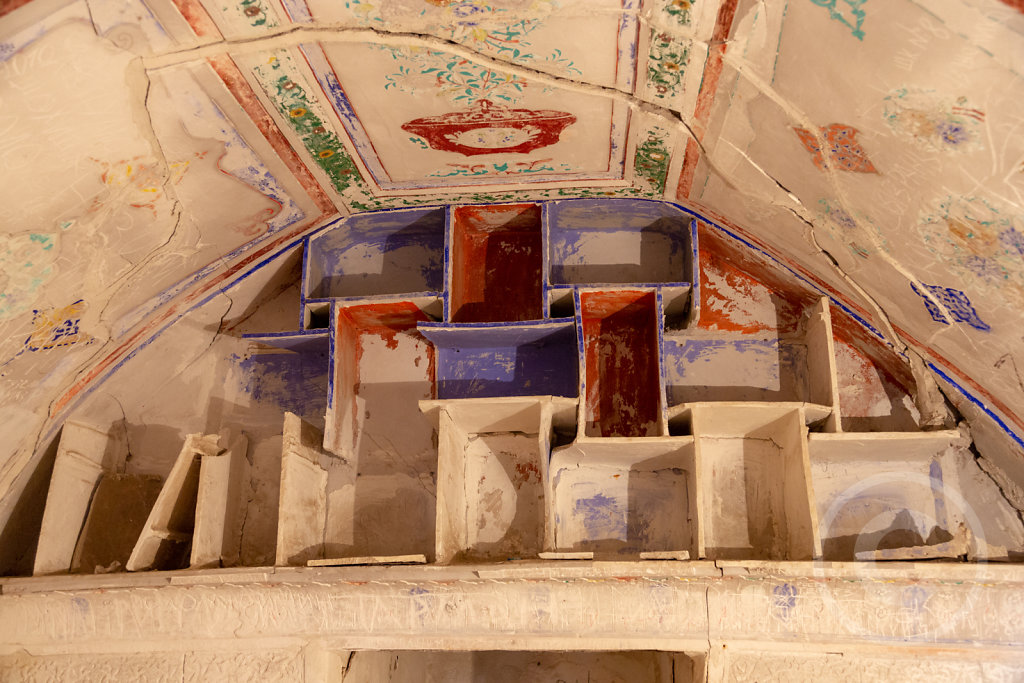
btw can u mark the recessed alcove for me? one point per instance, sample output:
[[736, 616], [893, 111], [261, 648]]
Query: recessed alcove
[[496, 263]]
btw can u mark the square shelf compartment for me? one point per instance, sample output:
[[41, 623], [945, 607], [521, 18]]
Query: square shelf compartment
[[755, 482], [492, 469], [394, 252], [739, 367], [486, 360], [606, 242], [496, 264], [621, 375], [620, 497], [887, 496]]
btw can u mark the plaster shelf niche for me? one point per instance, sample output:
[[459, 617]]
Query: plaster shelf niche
[[387, 252], [380, 488], [302, 504], [756, 500], [492, 474], [86, 454], [619, 497], [621, 386], [723, 366], [613, 242], [495, 264], [476, 360], [889, 496], [196, 519]]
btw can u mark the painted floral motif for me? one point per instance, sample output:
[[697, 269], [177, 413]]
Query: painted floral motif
[[503, 169], [666, 65], [281, 82], [460, 80], [858, 232], [955, 302], [652, 159], [495, 27], [57, 327], [980, 241], [933, 122], [844, 152], [256, 14], [850, 13], [680, 10]]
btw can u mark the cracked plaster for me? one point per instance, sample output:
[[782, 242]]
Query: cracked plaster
[[139, 262]]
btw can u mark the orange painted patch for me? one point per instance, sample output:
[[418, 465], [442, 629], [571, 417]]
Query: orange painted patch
[[741, 292]]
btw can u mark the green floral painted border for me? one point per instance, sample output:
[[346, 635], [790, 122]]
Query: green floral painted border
[[680, 10], [281, 82], [666, 65], [652, 159]]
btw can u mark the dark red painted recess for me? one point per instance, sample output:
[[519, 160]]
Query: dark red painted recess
[[497, 264], [620, 340]]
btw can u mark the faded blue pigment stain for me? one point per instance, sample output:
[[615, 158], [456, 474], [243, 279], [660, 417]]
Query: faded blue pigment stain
[[296, 382], [602, 517], [955, 301], [913, 598], [784, 601]]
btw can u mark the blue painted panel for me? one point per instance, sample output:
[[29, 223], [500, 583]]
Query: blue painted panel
[[393, 252], [601, 241], [476, 361], [295, 379]]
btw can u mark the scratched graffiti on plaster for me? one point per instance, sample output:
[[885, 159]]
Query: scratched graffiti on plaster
[[955, 302], [55, 327], [935, 122], [844, 151], [980, 241], [849, 13]]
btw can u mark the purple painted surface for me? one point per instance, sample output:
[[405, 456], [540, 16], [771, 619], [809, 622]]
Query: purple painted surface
[[599, 241], [475, 362], [293, 380], [603, 517], [387, 253]]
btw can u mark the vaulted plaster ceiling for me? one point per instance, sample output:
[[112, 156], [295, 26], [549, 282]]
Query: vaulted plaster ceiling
[[154, 150]]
